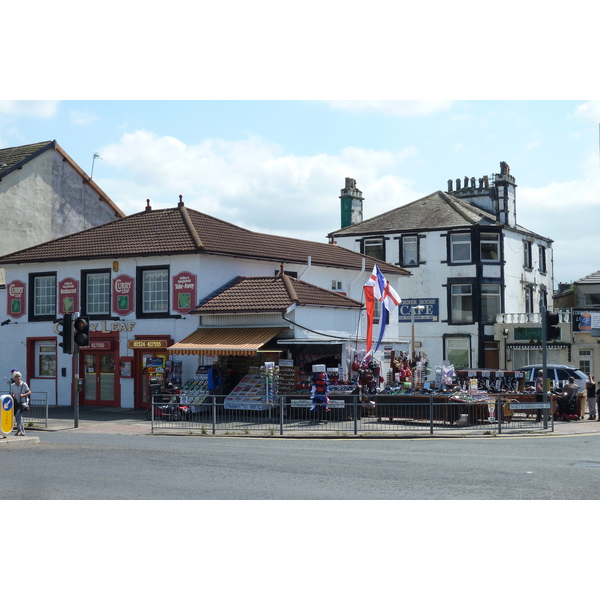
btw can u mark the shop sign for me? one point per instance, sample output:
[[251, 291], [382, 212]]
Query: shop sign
[[68, 296], [123, 294], [184, 292], [430, 311], [16, 299], [583, 320], [146, 344], [106, 345]]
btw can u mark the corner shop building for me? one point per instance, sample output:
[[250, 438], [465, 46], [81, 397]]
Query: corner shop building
[[161, 289]]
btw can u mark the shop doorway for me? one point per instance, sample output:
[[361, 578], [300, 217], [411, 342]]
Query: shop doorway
[[99, 382], [153, 368]]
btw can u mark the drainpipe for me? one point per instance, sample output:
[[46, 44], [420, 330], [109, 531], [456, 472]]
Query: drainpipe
[[308, 266]]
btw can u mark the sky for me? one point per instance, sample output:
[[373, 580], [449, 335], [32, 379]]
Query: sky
[[257, 116], [278, 166]]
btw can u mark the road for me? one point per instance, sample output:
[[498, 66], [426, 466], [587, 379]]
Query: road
[[73, 465]]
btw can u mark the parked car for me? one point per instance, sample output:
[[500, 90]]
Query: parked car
[[558, 373]]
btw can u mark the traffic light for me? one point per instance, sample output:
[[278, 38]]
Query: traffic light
[[67, 333], [82, 331], [552, 331]]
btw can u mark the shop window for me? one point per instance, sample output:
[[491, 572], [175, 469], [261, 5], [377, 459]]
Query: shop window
[[490, 301], [461, 301], [410, 251], [490, 247], [45, 359], [42, 300], [460, 248], [152, 292], [96, 293], [457, 352], [375, 248]]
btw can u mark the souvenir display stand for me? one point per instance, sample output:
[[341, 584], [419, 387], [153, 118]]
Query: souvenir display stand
[[258, 390], [194, 392]]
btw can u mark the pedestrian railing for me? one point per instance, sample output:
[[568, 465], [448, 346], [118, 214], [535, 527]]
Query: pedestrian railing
[[354, 415], [38, 410]]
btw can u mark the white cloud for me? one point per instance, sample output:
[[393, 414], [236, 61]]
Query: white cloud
[[40, 109], [397, 108], [567, 212], [252, 182], [589, 111], [82, 118]]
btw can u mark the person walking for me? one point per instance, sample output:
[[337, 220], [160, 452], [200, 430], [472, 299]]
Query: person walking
[[20, 393], [539, 393], [590, 388]]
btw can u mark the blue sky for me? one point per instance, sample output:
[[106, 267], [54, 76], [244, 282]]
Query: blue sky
[[278, 166], [256, 115]]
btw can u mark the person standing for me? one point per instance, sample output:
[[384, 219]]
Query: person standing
[[590, 388], [539, 392], [20, 393]]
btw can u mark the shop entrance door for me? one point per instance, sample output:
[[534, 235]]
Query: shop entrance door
[[98, 379]]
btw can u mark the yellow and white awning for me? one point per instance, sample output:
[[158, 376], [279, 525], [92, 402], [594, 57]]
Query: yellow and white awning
[[226, 341]]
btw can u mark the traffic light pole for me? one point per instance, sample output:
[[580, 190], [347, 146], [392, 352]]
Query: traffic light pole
[[544, 311], [76, 388]]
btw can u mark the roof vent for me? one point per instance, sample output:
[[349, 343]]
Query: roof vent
[[148, 207]]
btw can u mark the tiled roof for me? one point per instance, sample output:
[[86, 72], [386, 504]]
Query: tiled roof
[[11, 158], [14, 158], [270, 294], [182, 231], [436, 211], [593, 278]]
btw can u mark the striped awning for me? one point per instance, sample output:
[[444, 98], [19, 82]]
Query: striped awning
[[225, 341]]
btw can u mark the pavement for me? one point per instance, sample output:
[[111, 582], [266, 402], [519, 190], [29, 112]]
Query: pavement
[[125, 421]]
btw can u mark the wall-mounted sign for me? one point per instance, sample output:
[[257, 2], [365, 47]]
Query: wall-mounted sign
[[15, 299], [68, 296], [184, 292], [122, 301], [147, 344], [430, 310]]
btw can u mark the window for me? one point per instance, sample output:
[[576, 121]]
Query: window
[[336, 285], [97, 293], [45, 359], [490, 301], [457, 352], [542, 251], [585, 361], [490, 247], [461, 303], [375, 248], [460, 248], [528, 299], [591, 299], [410, 251], [153, 292], [527, 260], [42, 303]]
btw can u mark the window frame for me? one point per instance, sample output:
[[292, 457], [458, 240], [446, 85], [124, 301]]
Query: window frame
[[451, 295], [484, 295], [85, 295], [543, 267], [50, 347], [374, 241], [403, 260], [467, 348], [528, 255], [140, 293], [498, 259], [455, 244], [33, 277]]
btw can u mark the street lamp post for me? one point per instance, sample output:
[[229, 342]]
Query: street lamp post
[[412, 328]]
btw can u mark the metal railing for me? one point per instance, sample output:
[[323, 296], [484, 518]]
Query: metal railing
[[353, 416]]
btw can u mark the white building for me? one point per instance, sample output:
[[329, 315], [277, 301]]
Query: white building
[[45, 195], [139, 279], [470, 261]]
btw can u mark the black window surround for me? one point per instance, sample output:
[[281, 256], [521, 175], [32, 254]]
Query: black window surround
[[31, 297], [84, 293], [139, 301]]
